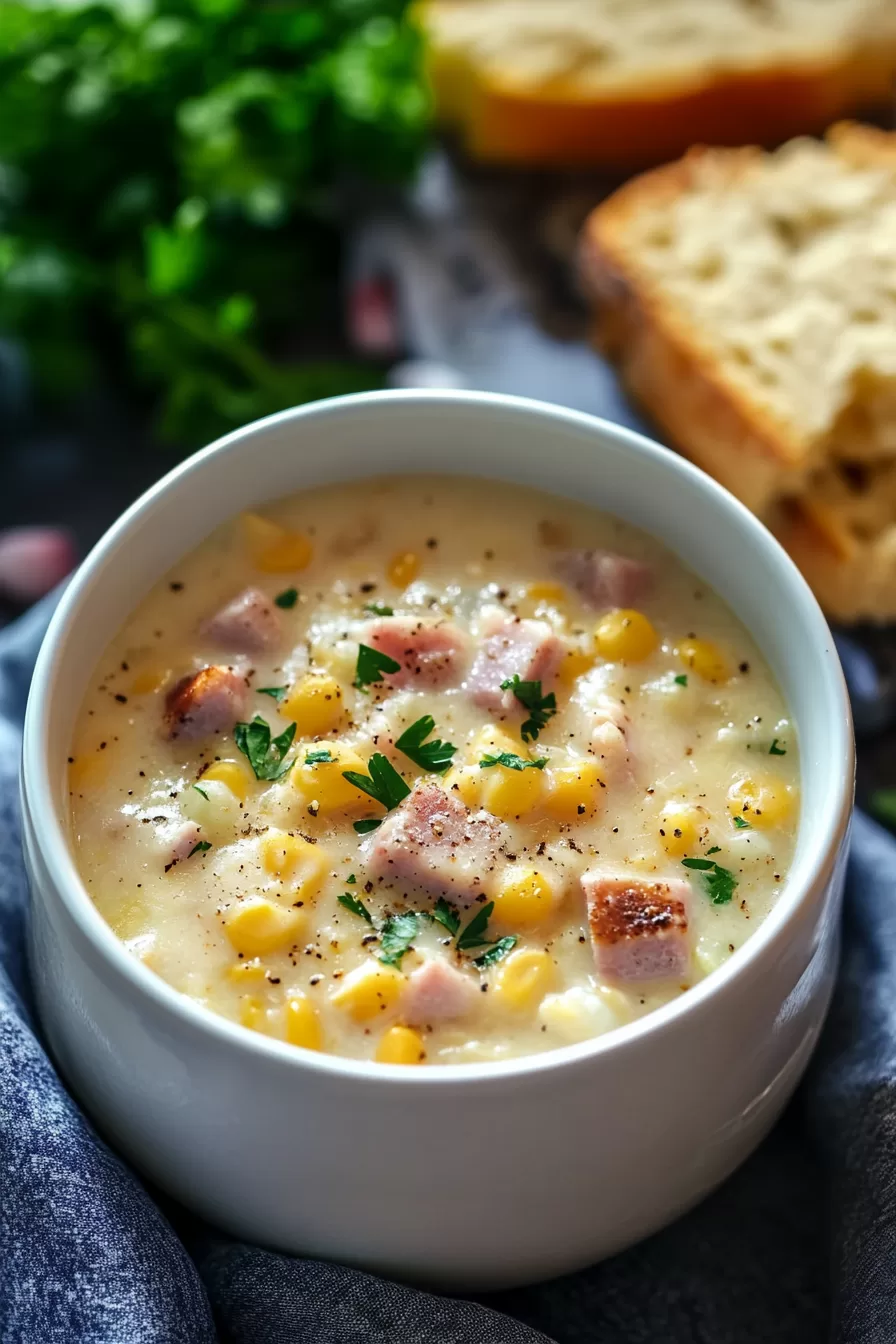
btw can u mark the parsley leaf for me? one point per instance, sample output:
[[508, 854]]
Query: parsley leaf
[[883, 805], [378, 609], [264, 752], [275, 692], [471, 936], [367, 825], [356, 906], [201, 791], [500, 949], [319, 756], [775, 750], [540, 707], [716, 849], [199, 848], [396, 936], [288, 598], [351, 880], [681, 679], [511, 762], [741, 824], [446, 915], [372, 665], [384, 783], [719, 882], [435, 755]]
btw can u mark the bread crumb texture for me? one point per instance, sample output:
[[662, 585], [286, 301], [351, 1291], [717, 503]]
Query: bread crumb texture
[[750, 300]]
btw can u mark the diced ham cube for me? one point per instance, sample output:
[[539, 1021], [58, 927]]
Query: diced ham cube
[[210, 701], [178, 840], [639, 928], [248, 624], [429, 653], [512, 646], [610, 736], [433, 843], [437, 992], [605, 579]]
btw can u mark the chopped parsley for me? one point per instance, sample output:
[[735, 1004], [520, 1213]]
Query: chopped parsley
[[541, 707], [384, 783], [511, 762], [356, 906], [319, 756], [201, 792], [681, 679], [372, 666], [883, 805], [288, 598], [367, 825], [775, 750], [396, 936], [471, 936], [199, 848], [435, 755], [500, 949], [716, 849], [719, 882], [741, 824], [446, 915], [378, 609], [275, 692], [266, 754], [351, 880]]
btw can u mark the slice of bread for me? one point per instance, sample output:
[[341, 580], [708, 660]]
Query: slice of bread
[[628, 83], [749, 300]]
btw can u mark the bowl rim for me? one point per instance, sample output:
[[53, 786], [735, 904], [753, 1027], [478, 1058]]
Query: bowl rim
[[66, 887]]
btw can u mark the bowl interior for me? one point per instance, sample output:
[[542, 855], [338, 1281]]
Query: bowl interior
[[562, 452]]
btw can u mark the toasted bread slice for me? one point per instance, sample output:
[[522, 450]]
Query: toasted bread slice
[[749, 300], [626, 83]]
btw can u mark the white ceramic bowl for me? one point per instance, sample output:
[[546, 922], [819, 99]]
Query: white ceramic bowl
[[480, 1175]]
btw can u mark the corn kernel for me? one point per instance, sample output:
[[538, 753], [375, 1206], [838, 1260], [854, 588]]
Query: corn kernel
[[242, 972], [401, 1045], [510, 793], [524, 979], [704, 658], [403, 569], [763, 802], [368, 990], [257, 926], [576, 662], [294, 860], [322, 785], [150, 680], [680, 829], [573, 792], [314, 704], [274, 549], [525, 897], [302, 1022], [625, 636], [252, 1013], [554, 593], [232, 774], [492, 740], [464, 782]]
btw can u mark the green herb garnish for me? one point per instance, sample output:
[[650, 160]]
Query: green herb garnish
[[719, 882], [367, 825], [275, 692], [741, 824], [471, 936], [199, 848], [396, 937], [681, 679], [716, 849], [500, 949], [288, 598], [511, 762], [201, 792], [351, 879], [435, 755], [541, 707], [384, 783], [357, 907], [775, 750], [378, 609], [446, 915], [264, 752], [372, 665], [883, 804], [319, 756]]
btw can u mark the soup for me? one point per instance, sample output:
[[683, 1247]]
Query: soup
[[432, 770]]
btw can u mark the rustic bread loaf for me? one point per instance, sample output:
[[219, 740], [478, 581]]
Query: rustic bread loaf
[[627, 83], [749, 300]]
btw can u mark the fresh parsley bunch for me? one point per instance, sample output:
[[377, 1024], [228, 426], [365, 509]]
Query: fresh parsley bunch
[[167, 178]]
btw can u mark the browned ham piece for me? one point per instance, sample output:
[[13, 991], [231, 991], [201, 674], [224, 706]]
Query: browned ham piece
[[512, 646], [639, 928], [604, 579], [248, 624], [210, 701], [429, 653]]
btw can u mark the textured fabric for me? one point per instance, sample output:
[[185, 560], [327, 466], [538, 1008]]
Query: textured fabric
[[89, 1255]]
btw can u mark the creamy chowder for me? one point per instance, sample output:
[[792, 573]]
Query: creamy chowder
[[432, 770]]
